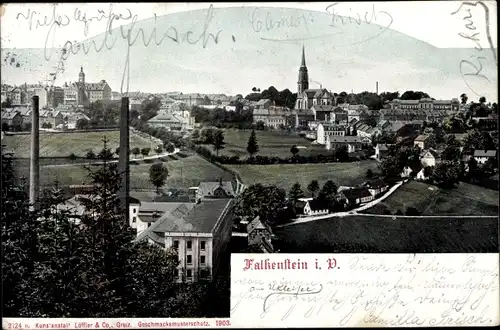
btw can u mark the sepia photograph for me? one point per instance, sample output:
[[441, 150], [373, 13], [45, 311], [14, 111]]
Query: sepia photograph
[[157, 155]]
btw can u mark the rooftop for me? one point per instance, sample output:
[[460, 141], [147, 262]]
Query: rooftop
[[485, 153]]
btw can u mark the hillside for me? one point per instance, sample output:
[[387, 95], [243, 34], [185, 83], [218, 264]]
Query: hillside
[[339, 57]]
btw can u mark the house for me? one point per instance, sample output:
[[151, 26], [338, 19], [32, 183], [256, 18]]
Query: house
[[353, 143], [260, 234], [376, 187], [482, 156], [13, 119], [430, 157], [168, 121], [71, 119], [381, 151], [311, 207], [421, 175], [329, 113], [200, 232], [356, 196], [263, 104], [421, 141], [274, 117], [213, 190], [325, 129], [406, 173]]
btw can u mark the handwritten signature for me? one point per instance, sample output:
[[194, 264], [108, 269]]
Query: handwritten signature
[[474, 66], [130, 34]]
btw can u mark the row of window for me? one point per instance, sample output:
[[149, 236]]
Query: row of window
[[189, 259], [189, 273], [189, 245]]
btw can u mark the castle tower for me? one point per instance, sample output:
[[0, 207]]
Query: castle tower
[[303, 82], [81, 88], [81, 77]]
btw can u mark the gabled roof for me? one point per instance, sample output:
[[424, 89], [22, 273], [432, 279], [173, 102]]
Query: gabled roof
[[356, 193], [421, 138], [10, 115], [433, 153], [347, 139], [165, 118], [207, 189], [485, 153], [263, 101], [96, 86], [316, 205], [255, 224]]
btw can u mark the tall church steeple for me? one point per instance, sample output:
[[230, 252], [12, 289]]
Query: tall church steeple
[[303, 82], [81, 77]]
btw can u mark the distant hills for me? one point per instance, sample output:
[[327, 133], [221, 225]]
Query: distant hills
[[345, 57]]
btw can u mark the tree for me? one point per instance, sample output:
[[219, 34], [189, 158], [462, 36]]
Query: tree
[[428, 171], [82, 123], [452, 149], [294, 150], [295, 193], [159, 149], [145, 151], [5, 127], [105, 154], [328, 195], [446, 174], [482, 100], [252, 146], [195, 135], [464, 98], [72, 157], [158, 174], [476, 139], [219, 141], [313, 187], [411, 211], [7, 103], [208, 135], [170, 148], [369, 174], [136, 151], [254, 89], [90, 154], [341, 153], [260, 200]]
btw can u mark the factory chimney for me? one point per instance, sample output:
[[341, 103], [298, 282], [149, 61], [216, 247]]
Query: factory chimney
[[376, 88], [35, 154], [123, 162]]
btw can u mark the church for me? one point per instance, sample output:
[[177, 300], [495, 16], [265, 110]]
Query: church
[[306, 97]]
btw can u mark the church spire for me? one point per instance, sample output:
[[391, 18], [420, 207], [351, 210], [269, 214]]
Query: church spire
[[303, 63]]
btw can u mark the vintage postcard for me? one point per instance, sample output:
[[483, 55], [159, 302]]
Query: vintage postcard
[[249, 165]]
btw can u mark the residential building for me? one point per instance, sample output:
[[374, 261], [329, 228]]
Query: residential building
[[325, 129], [329, 113], [356, 196], [425, 103], [98, 91], [482, 156], [54, 118], [352, 143], [274, 117], [376, 187], [82, 93], [311, 207], [260, 234], [55, 96], [200, 232], [406, 173], [13, 119], [71, 119], [421, 141], [381, 151], [217, 189], [363, 130], [194, 99], [263, 104], [430, 157]]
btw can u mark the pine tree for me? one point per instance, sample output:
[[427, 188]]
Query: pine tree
[[295, 193], [252, 146], [313, 187]]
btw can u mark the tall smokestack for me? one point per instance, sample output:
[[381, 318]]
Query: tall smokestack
[[376, 89], [123, 162], [35, 154]]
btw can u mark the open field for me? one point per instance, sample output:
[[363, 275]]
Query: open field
[[271, 143], [285, 175], [63, 144], [466, 199], [184, 173], [385, 234]]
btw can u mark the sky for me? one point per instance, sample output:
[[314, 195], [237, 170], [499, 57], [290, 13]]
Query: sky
[[429, 21]]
